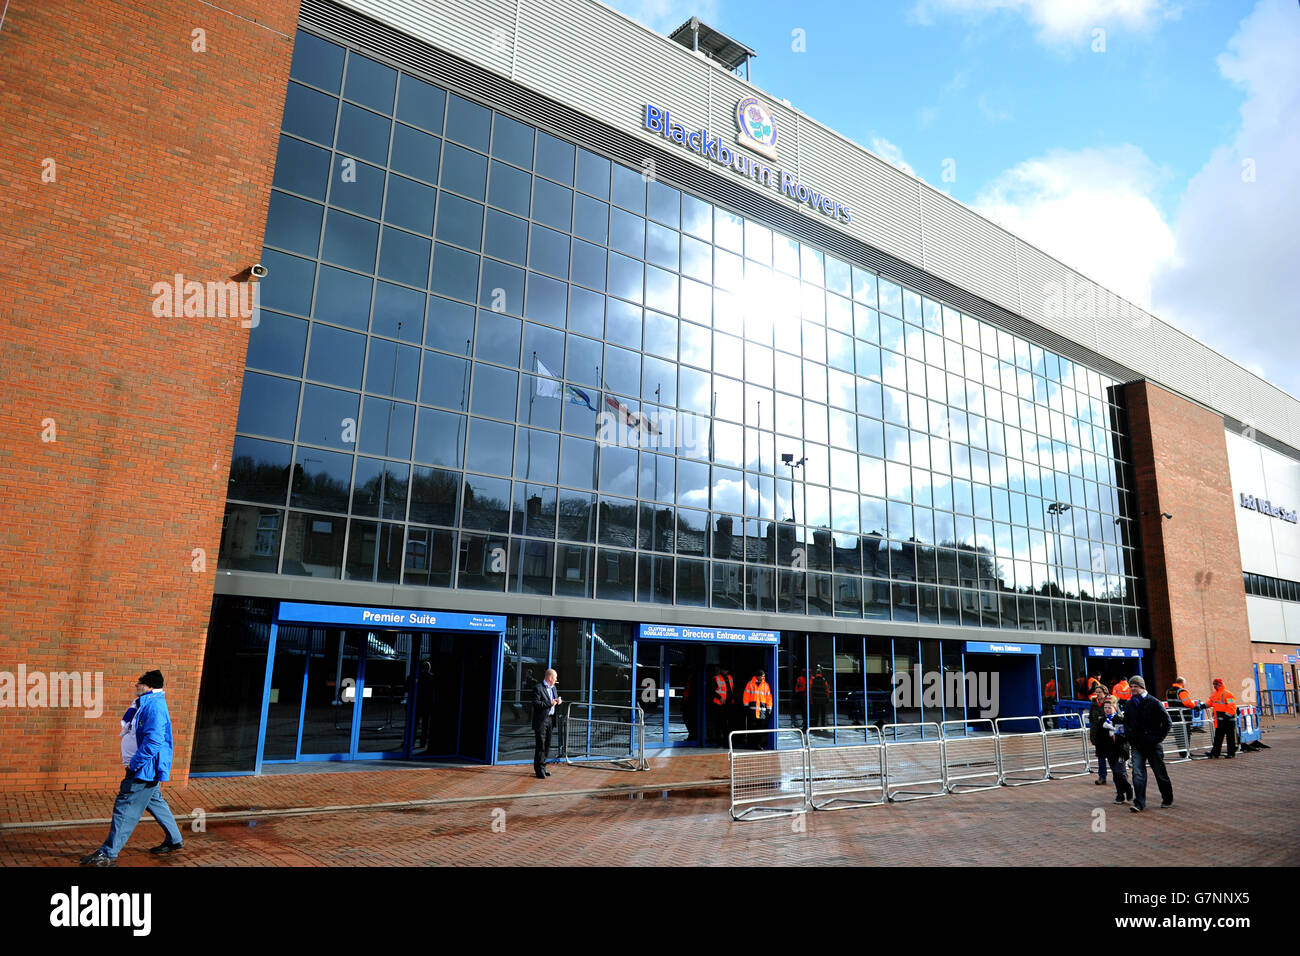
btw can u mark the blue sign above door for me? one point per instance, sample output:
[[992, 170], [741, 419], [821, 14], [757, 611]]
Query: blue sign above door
[[387, 617], [676, 632], [1114, 652], [984, 647]]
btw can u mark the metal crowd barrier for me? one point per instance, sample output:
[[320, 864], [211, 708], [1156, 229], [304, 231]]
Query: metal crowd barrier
[[848, 772], [1248, 728], [1023, 753], [1179, 741], [766, 777], [972, 753], [610, 733], [913, 758], [1065, 740]]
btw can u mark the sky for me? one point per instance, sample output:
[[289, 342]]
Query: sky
[[1152, 145]]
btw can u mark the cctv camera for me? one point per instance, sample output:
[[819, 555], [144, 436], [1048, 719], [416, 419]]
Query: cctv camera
[[259, 271]]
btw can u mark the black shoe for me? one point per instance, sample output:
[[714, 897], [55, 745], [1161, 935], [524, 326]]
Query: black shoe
[[1099, 783], [1121, 799], [1229, 757], [166, 846], [1135, 809], [540, 776], [1166, 805], [1214, 756], [547, 772], [98, 858]]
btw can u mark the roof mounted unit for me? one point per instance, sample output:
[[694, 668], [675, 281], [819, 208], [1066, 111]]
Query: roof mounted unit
[[718, 47]]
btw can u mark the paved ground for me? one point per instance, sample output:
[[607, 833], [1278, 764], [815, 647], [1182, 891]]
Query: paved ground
[[1226, 813]]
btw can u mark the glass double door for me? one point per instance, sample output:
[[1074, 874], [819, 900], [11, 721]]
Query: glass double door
[[343, 694], [675, 687]]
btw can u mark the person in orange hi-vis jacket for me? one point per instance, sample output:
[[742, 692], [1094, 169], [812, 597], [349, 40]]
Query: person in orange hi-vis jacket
[[1224, 706], [757, 701]]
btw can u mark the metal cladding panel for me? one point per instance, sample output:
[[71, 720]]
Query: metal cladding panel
[[1270, 405], [481, 31], [967, 249], [1125, 329], [885, 207], [556, 57], [1044, 284], [1229, 389], [1182, 360]]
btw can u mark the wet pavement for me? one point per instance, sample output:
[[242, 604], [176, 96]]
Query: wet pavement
[[1241, 812]]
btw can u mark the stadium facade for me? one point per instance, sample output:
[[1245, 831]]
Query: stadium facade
[[574, 349]]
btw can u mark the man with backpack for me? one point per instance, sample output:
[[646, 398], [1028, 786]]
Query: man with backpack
[[1146, 724]]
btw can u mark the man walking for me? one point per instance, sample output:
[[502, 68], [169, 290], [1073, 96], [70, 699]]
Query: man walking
[[1224, 706], [1146, 724], [147, 757], [545, 700]]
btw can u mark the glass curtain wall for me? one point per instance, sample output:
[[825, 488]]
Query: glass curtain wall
[[490, 359]]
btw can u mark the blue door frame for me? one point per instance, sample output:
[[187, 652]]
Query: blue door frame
[[379, 620]]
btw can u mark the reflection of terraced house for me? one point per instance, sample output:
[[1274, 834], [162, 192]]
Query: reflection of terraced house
[[858, 435]]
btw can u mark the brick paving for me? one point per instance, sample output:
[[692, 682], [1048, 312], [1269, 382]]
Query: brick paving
[[1241, 813]]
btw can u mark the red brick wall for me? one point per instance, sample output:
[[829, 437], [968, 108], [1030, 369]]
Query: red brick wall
[[1192, 562], [163, 158]]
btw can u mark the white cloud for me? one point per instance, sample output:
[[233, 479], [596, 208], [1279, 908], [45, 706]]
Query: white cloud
[[992, 114], [926, 115], [1058, 21], [1236, 281], [890, 153], [1091, 209]]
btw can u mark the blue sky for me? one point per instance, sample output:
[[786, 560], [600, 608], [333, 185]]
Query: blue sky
[[1162, 165]]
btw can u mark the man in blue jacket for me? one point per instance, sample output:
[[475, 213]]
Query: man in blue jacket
[[147, 757]]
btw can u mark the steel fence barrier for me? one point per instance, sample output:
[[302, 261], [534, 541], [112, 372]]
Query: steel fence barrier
[[1179, 741], [768, 779], [847, 772], [1023, 752], [913, 758], [612, 734], [971, 754], [1065, 741]]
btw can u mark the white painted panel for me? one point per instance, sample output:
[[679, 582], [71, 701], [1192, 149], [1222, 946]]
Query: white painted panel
[[1265, 615]]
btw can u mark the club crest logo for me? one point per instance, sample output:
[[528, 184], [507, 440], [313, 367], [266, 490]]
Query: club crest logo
[[757, 127]]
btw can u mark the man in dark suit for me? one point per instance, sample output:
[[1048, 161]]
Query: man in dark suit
[[545, 700], [1146, 723]]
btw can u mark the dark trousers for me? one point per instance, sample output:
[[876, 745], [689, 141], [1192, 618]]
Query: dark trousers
[[542, 741], [718, 728], [1122, 787], [1155, 756], [1224, 726], [1101, 765]]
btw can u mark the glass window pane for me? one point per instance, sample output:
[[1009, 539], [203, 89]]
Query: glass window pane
[[363, 134], [415, 153], [317, 61], [468, 122], [405, 258], [268, 405], [491, 446], [464, 171], [309, 114], [420, 103], [440, 438], [512, 141], [410, 204], [628, 189], [370, 83], [386, 428], [277, 344], [293, 224], [328, 415], [301, 168], [455, 272], [336, 356], [554, 159], [350, 241]]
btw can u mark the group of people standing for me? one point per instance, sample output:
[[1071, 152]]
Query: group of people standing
[[1128, 724]]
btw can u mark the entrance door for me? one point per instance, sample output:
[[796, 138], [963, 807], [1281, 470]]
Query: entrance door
[[389, 694], [675, 687]]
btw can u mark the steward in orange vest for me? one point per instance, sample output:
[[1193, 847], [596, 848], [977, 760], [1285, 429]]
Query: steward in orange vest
[[1224, 706]]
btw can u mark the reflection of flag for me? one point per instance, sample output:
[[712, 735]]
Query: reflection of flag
[[630, 418], [545, 387], [578, 397]]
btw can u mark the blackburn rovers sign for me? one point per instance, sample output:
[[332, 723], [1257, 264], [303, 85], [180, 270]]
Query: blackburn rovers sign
[[757, 132]]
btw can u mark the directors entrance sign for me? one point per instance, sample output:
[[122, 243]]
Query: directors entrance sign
[[719, 635], [758, 132]]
